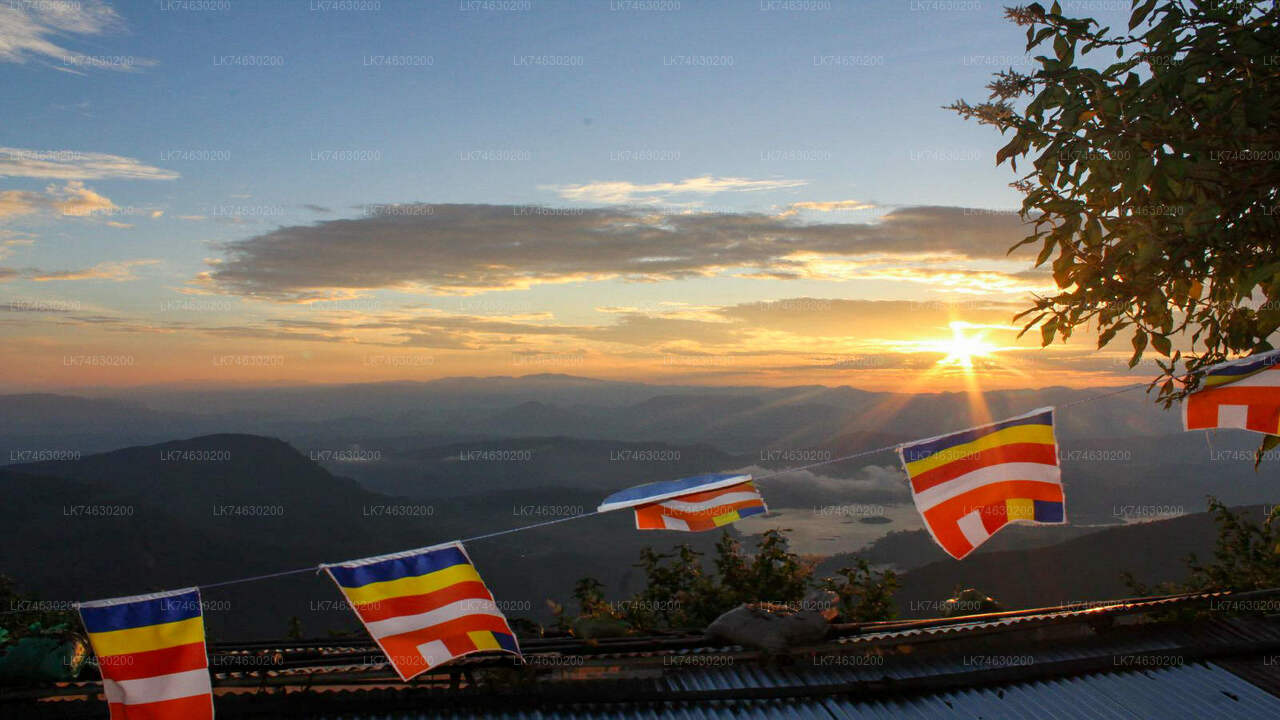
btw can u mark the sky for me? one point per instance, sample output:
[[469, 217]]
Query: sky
[[287, 192]]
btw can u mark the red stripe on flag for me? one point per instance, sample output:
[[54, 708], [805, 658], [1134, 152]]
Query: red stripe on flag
[[995, 516], [196, 707], [179, 658], [1202, 407], [649, 517], [1263, 419], [459, 644], [418, 604], [1042, 453]]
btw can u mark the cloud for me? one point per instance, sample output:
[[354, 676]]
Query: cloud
[[73, 199], [76, 165], [28, 31], [806, 489], [77, 200], [827, 207], [116, 271], [465, 249], [621, 192], [19, 202]]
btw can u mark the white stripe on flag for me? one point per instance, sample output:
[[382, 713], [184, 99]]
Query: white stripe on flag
[[985, 476], [434, 652], [1266, 378], [672, 523], [1233, 416], [408, 623], [693, 507], [973, 529], [158, 688]]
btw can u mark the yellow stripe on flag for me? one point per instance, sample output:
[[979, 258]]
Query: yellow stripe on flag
[[484, 640], [1008, 436], [418, 585], [726, 518], [1020, 509], [150, 637]]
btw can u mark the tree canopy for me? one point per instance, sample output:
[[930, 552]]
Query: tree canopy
[[1153, 183]]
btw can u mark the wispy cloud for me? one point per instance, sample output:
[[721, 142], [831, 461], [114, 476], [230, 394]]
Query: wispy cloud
[[31, 30], [621, 192], [827, 207], [76, 165], [115, 271]]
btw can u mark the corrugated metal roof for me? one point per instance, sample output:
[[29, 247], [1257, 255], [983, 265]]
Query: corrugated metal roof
[[1194, 692]]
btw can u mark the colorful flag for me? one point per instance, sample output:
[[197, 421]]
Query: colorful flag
[[1243, 393], [692, 504], [151, 654], [969, 484], [424, 607]]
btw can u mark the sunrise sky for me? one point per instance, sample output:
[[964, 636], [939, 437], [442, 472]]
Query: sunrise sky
[[309, 192]]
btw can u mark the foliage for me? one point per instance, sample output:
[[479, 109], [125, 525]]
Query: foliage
[[1154, 179], [864, 595], [294, 631], [680, 594], [37, 622]]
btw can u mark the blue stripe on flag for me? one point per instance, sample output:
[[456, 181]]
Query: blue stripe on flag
[[920, 451], [395, 568], [141, 613], [640, 493], [506, 642], [1245, 366], [1047, 512], [749, 511]]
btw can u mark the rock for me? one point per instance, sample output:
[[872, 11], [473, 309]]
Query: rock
[[774, 628]]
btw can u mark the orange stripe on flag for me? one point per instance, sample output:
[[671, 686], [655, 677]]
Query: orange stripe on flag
[[417, 604]]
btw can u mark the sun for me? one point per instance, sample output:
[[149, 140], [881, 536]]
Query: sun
[[963, 348]]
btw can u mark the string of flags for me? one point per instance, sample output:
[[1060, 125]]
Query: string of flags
[[427, 607]]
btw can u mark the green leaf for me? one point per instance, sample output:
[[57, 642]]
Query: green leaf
[[1139, 345], [1162, 344], [1141, 14], [1047, 331], [1269, 442]]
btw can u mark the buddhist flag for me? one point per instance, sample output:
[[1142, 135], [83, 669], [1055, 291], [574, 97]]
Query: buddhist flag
[[692, 504], [1243, 393], [151, 653], [969, 484], [424, 607]]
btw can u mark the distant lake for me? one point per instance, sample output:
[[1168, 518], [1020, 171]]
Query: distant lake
[[836, 528]]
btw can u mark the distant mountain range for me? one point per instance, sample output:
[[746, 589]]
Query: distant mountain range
[[223, 506], [735, 419], [366, 469]]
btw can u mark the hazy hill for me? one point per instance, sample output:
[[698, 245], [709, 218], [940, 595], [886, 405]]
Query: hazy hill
[[736, 419], [409, 467], [202, 510], [1085, 568]]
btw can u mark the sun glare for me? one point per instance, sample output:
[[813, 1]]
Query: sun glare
[[963, 348]]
